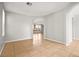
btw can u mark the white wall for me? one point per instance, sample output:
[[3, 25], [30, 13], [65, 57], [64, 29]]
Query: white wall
[[76, 27], [56, 26], [72, 11], [75, 21], [20, 26], [1, 30], [68, 29], [41, 20], [1, 7], [59, 25]]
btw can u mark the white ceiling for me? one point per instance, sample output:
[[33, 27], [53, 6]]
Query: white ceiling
[[37, 8]]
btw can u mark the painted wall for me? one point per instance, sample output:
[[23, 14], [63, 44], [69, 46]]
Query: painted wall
[[56, 26], [68, 29], [59, 25], [75, 21], [20, 26], [1, 30], [41, 20], [72, 11], [76, 27], [1, 7]]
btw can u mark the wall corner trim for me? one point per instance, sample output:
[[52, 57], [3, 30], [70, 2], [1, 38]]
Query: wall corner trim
[[17, 40]]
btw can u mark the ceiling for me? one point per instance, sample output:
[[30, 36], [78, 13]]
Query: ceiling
[[37, 8]]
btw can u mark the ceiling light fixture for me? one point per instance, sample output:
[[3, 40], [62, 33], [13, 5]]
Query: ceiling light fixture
[[29, 3]]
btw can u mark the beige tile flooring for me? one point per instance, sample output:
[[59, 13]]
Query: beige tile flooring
[[25, 48]]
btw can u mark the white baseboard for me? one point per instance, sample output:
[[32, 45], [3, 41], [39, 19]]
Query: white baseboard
[[13, 40], [31, 38], [2, 48], [55, 41], [17, 40]]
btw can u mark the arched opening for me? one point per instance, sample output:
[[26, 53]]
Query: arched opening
[[38, 31]]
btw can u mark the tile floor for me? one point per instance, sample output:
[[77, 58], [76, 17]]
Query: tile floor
[[48, 48]]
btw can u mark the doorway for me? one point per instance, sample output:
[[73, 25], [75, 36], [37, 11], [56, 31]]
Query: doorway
[[38, 30]]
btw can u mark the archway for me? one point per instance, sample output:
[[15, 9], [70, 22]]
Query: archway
[[38, 31]]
